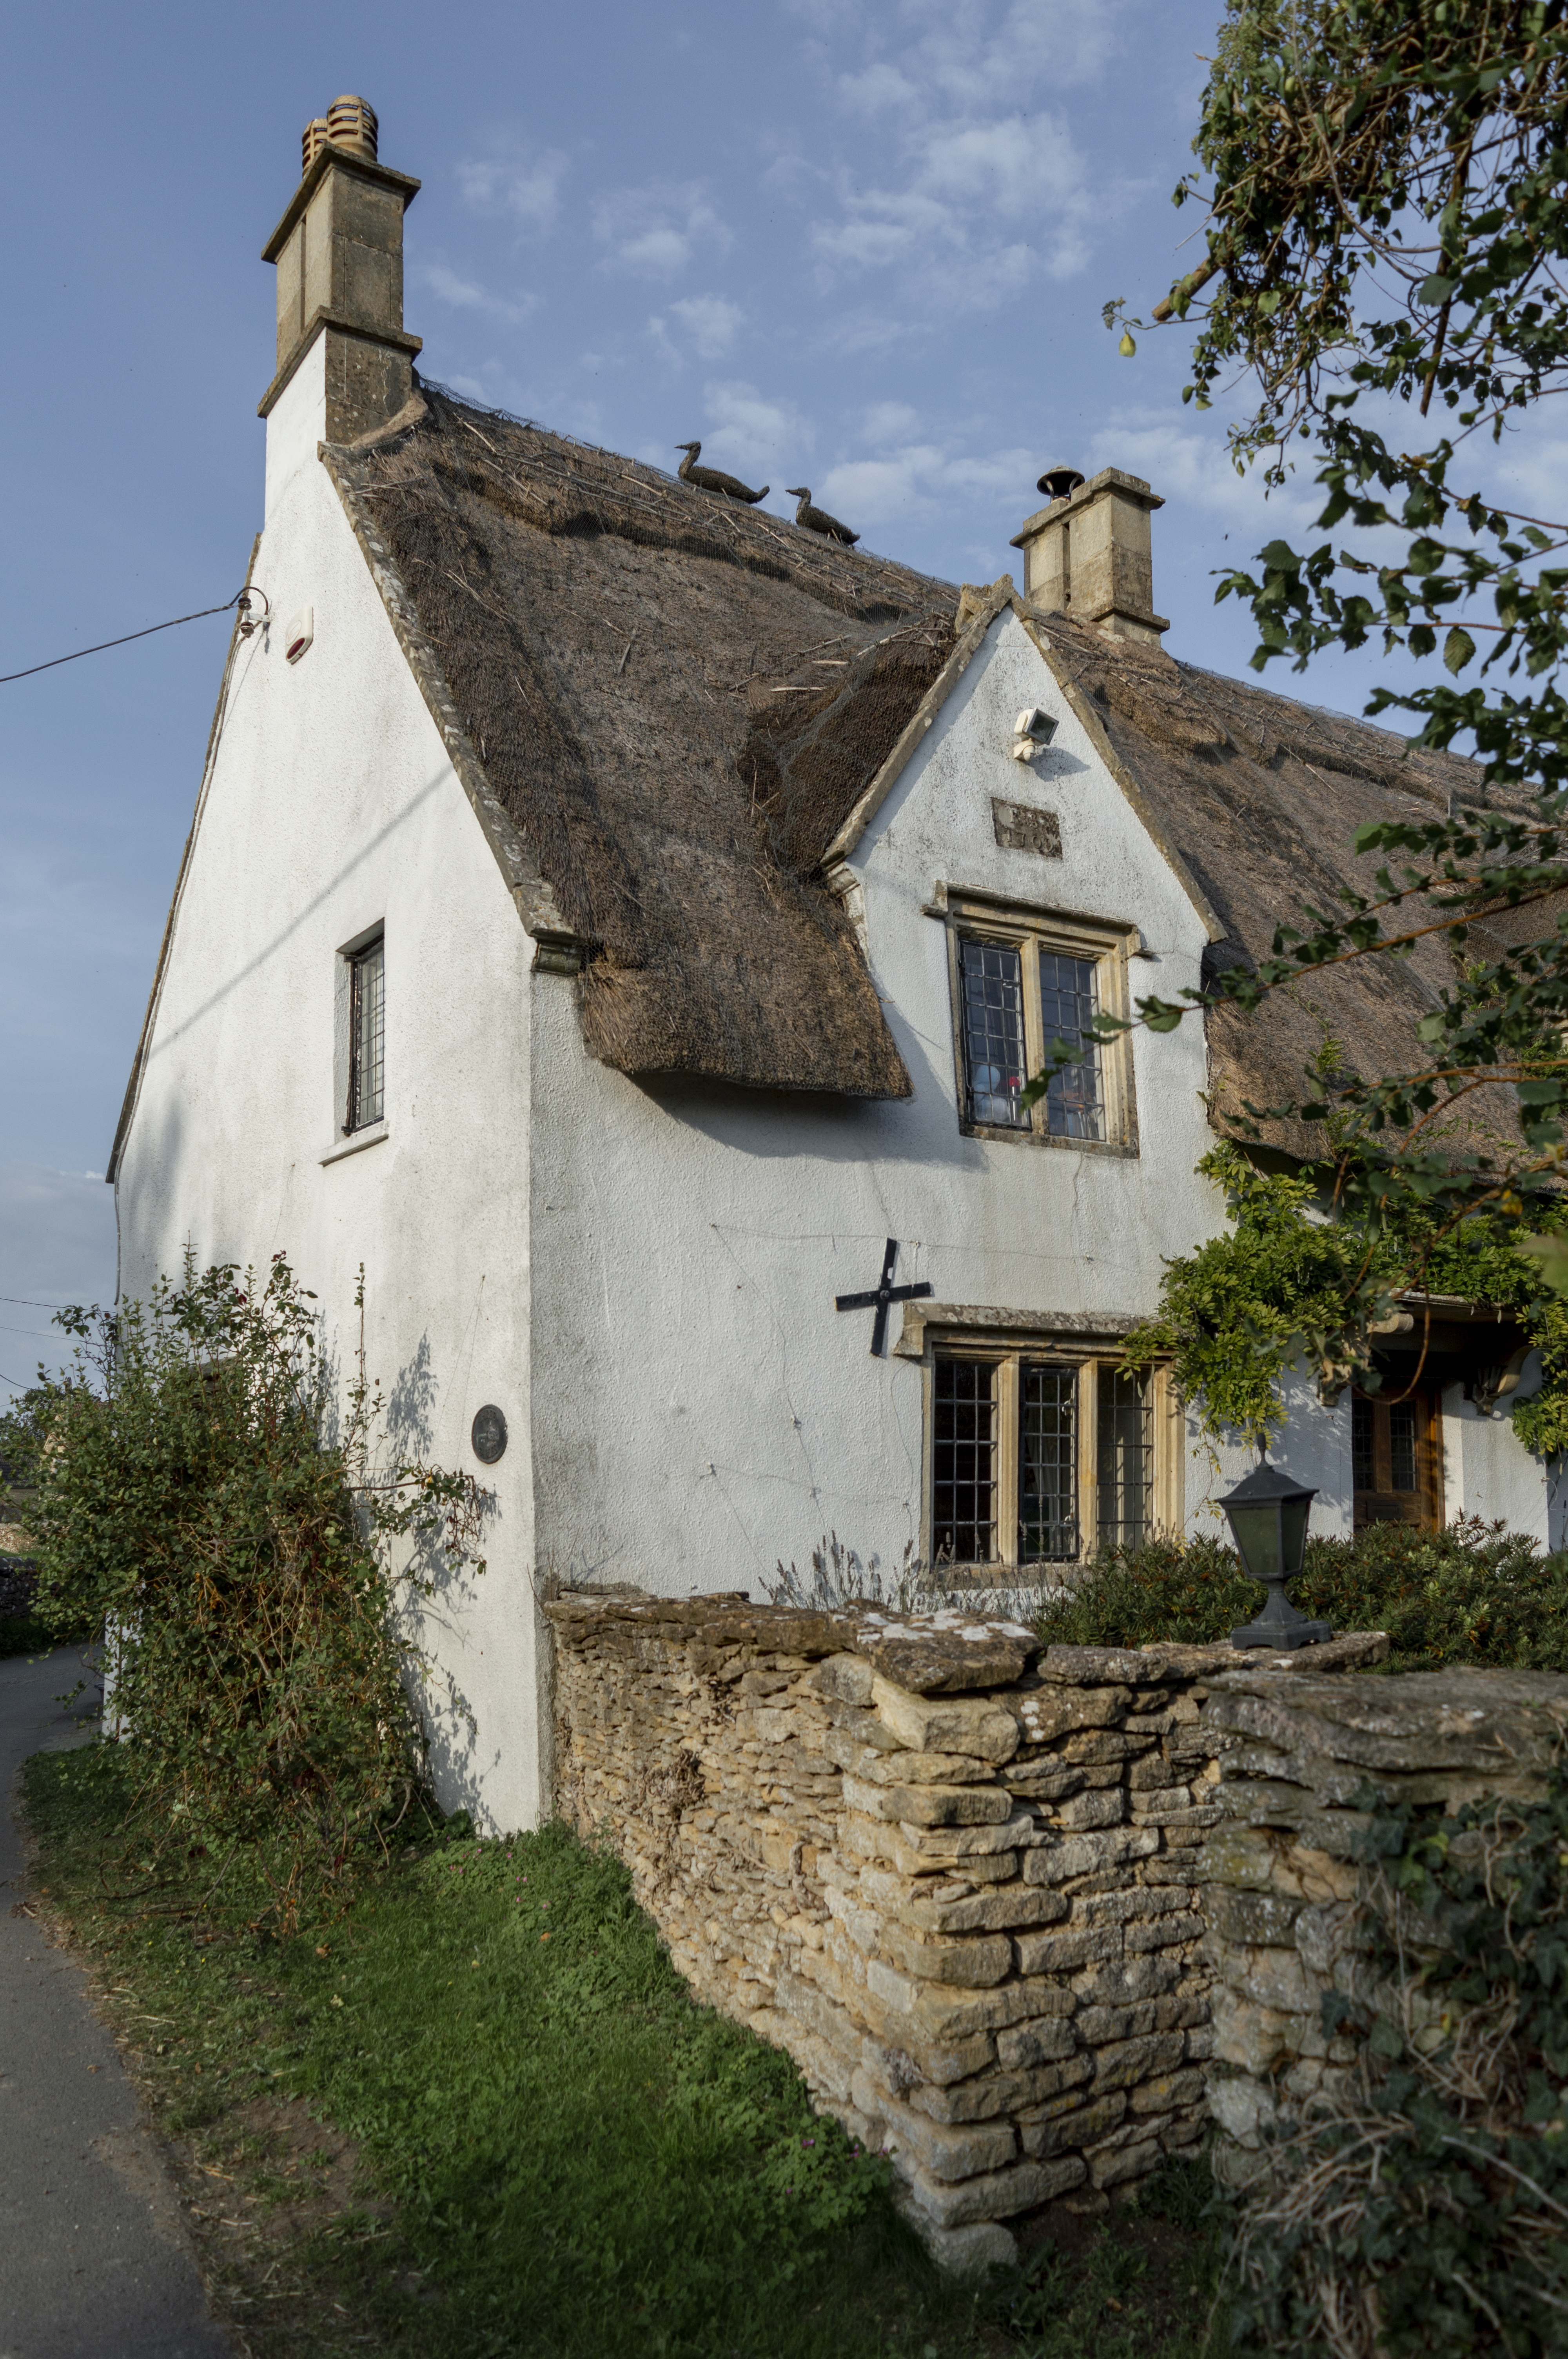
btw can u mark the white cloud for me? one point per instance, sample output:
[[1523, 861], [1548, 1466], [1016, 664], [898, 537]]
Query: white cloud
[[525, 187], [465, 295], [655, 231], [971, 185], [748, 430], [1195, 468], [984, 188], [711, 323], [879, 86], [922, 476], [886, 422]]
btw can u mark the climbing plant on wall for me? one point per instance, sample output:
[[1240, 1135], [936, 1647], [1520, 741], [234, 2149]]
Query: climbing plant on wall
[[1273, 1289]]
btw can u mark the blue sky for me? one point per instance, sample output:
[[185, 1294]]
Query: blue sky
[[860, 246]]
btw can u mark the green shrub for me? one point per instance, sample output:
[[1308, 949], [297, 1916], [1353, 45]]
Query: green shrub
[[202, 1509], [1473, 1593]]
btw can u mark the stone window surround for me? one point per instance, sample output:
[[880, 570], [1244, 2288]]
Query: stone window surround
[[972, 915], [1084, 1341]]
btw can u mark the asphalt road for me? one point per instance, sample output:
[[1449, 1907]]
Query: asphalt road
[[94, 2262]]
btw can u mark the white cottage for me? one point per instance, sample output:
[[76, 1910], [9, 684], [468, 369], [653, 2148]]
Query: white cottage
[[621, 920]]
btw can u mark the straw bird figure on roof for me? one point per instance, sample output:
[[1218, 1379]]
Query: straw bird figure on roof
[[818, 519], [710, 479]]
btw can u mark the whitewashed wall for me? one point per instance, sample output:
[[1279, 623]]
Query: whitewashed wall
[[332, 807], [642, 1277], [700, 1410], [1487, 1473]]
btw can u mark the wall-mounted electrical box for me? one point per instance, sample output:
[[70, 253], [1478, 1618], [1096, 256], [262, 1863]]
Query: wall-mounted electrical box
[[300, 633]]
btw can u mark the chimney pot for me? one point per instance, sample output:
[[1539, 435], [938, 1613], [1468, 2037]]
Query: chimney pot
[[351, 123], [314, 140]]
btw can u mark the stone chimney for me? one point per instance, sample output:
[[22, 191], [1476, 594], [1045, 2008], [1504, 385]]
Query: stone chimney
[[338, 251], [1088, 554]]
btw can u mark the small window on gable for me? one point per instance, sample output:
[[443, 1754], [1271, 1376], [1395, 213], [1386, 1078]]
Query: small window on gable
[[367, 1036], [1023, 984], [1037, 1457]]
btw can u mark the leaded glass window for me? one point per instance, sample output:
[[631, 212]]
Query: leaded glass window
[[1047, 1465], [1069, 1002], [1039, 1459], [964, 1468], [992, 976], [1025, 985], [1125, 1472], [367, 1036]]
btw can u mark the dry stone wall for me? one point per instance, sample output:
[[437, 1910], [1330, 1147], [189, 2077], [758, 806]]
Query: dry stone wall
[[957, 1879], [1287, 1900]]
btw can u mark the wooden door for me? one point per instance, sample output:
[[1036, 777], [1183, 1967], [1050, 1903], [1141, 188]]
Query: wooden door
[[1397, 1453]]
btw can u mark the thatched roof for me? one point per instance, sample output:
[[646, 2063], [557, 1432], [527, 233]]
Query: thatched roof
[[1261, 798], [668, 706], [634, 661]]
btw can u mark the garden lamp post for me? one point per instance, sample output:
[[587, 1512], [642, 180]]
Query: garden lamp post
[[1268, 1517]]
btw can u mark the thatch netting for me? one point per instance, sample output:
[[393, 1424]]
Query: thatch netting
[[631, 657], [677, 701]]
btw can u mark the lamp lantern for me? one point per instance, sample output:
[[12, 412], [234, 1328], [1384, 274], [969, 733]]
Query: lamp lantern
[[1267, 1513]]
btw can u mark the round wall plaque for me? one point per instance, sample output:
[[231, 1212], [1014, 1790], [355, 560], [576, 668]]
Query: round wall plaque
[[489, 1435]]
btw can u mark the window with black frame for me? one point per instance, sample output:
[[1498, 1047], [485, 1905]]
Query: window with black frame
[[367, 1037]]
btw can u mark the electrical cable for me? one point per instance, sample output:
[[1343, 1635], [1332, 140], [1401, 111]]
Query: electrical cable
[[31, 1302], [152, 628]]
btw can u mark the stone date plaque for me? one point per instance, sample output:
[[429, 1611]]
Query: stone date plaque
[[488, 1434], [1022, 828]]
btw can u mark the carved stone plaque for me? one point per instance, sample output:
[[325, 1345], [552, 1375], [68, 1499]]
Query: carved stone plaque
[[1020, 828]]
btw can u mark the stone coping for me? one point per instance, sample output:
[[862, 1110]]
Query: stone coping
[[947, 1652]]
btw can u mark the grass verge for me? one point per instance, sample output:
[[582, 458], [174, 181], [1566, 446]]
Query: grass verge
[[482, 2114]]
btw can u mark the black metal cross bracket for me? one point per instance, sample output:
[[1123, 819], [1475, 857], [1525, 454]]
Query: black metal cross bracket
[[884, 1292]]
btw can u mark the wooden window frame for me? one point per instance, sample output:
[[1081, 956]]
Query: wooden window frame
[[972, 916], [1009, 1351]]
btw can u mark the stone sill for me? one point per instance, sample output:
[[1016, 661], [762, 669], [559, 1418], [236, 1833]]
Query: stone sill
[[356, 1142]]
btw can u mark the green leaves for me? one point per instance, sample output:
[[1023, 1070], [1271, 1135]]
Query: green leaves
[[1287, 1288], [1458, 648], [1551, 1255], [205, 1507]]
